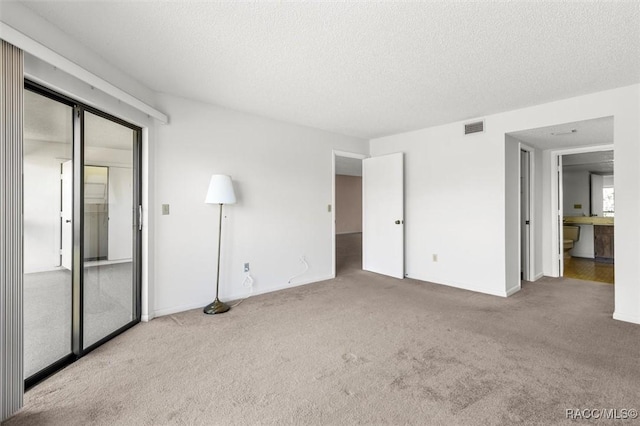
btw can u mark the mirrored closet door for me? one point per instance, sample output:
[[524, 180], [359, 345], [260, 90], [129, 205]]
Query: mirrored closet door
[[82, 229]]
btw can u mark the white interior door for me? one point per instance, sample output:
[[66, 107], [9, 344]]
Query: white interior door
[[383, 215], [66, 243]]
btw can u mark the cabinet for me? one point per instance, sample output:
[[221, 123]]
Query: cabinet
[[603, 243]]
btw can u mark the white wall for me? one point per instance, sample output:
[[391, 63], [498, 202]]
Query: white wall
[[575, 190], [283, 179], [597, 201], [513, 245], [454, 205], [457, 202], [42, 204]]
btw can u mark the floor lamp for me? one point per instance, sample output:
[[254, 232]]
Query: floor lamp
[[220, 192]]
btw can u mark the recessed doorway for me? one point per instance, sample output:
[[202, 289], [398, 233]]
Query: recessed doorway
[[588, 206], [574, 179], [347, 213]]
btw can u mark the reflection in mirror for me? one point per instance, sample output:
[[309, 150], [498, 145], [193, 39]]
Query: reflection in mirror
[[47, 179]]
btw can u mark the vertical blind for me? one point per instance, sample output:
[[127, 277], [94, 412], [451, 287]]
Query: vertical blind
[[11, 263]]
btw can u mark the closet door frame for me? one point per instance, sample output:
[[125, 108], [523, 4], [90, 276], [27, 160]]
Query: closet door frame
[[77, 323]]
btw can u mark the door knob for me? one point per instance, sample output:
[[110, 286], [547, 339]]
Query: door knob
[[68, 220], [398, 222]]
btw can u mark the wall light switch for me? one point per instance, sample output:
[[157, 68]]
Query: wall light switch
[[246, 267], [329, 208], [165, 209], [434, 257]]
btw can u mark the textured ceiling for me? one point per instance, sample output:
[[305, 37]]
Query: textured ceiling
[[363, 69], [598, 131]]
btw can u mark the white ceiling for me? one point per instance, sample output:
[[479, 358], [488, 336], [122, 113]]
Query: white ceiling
[[600, 162], [598, 131], [46, 120], [363, 69]]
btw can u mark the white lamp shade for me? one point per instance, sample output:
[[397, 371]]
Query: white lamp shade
[[220, 190]]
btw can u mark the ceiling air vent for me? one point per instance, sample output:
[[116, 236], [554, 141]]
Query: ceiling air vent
[[476, 127]]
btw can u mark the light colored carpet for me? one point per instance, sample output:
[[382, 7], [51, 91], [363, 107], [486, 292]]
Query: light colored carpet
[[47, 310], [360, 349]]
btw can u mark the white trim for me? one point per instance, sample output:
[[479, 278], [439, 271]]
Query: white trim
[[513, 290], [557, 261], [236, 296], [20, 40], [538, 276], [334, 154], [467, 287], [176, 309], [349, 155], [627, 318]]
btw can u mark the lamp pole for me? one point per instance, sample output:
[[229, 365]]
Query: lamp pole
[[217, 307]]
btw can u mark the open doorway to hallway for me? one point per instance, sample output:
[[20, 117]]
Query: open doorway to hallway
[[348, 214]]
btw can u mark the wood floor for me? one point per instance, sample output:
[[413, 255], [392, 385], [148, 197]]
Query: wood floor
[[588, 269]]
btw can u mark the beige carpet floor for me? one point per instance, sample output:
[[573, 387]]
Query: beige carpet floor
[[360, 349]]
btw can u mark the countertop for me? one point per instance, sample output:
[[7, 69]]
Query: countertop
[[586, 220]]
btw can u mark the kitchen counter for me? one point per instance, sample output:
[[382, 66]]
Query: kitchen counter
[[586, 220]]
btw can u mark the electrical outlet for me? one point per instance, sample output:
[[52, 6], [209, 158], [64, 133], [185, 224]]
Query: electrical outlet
[[165, 209], [246, 267], [434, 257]]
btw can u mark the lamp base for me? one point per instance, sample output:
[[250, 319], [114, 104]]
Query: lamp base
[[216, 307]]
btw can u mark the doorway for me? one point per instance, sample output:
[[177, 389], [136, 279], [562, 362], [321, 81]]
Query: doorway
[[347, 213], [555, 207], [82, 246], [588, 206]]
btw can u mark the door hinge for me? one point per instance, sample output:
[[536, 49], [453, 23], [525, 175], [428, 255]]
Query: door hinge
[[140, 218]]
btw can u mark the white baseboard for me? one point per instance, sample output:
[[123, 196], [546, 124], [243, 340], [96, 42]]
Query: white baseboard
[[476, 289], [237, 296], [176, 309], [513, 290], [146, 318], [538, 276], [626, 318], [295, 283]]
